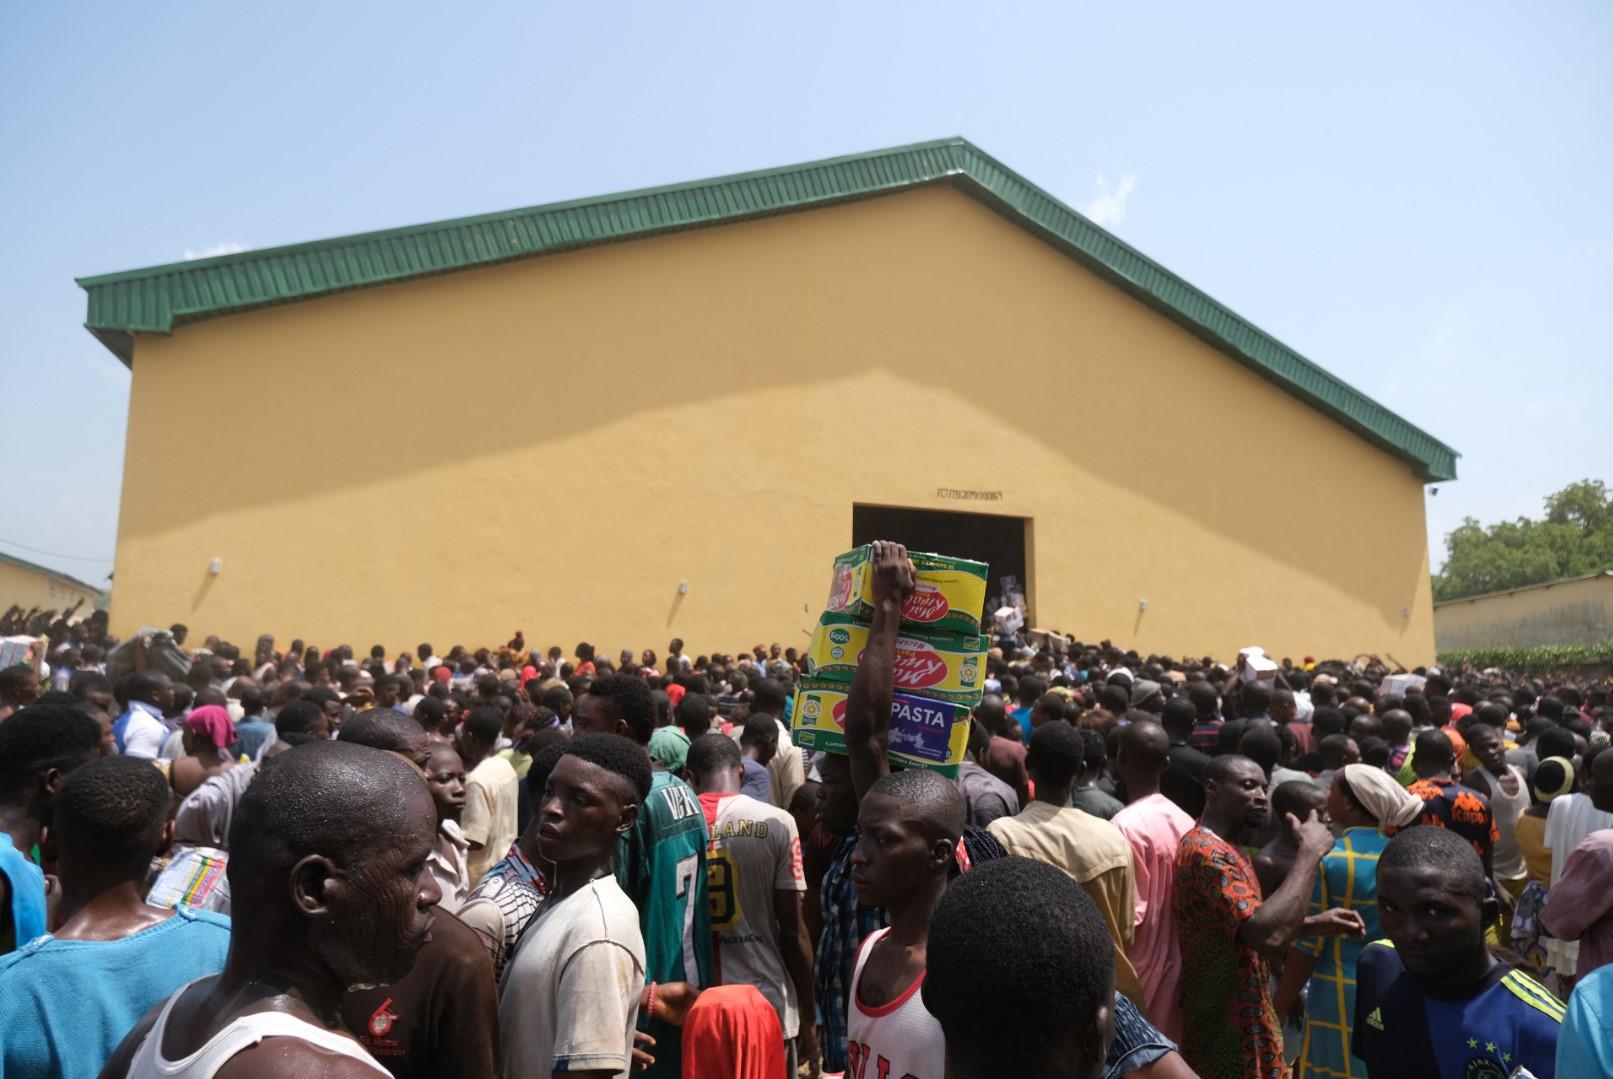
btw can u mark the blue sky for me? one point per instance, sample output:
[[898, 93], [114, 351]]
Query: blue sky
[[1414, 196]]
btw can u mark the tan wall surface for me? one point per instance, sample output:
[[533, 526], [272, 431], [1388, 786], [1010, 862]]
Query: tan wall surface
[[554, 444], [1563, 612], [30, 588]]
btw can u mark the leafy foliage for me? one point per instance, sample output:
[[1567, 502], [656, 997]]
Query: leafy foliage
[[1551, 657], [1574, 538]]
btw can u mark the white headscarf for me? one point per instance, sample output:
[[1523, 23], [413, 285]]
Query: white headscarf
[[1390, 804]]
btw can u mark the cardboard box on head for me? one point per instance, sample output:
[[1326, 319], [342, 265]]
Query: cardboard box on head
[[924, 733], [949, 595], [932, 665]]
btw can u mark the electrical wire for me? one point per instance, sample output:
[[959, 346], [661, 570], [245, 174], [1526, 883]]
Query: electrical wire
[[54, 554]]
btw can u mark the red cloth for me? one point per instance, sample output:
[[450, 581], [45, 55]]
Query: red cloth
[[732, 1032], [441, 673], [676, 692], [528, 673], [213, 723]]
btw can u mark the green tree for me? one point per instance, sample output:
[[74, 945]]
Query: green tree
[[1574, 538]]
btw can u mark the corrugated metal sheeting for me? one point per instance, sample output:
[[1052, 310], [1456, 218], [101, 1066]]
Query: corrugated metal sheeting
[[154, 300]]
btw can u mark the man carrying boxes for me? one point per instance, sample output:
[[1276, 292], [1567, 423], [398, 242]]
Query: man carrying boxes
[[910, 820], [937, 664]]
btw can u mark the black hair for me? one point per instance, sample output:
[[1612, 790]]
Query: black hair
[[142, 684], [1297, 796], [1056, 753], [1030, 688], [1261, 744], [382, 728], [113, 810], [1328, 720], [927, 799], [430, 712], [1179, 714], [555, 698], [1550, 707], [84, 683], [1093, 750], [298, 716], [1375, 751], [615, 754], [1332, 749], [979, 738], [1433, 748], [1115, 699], [630, 699], [543, 762], [1204, 698], [759, 727], [1018, 958], [13, 679], [1429, 847], [713, 753], [767, 695], [1556, 742], [45, 736], [484, 723]]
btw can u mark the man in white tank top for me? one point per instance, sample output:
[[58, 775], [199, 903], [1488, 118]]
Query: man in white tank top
[[910, 823], [330, 892]]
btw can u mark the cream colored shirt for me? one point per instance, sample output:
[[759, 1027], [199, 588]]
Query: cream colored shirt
[[491, 794], [1092, 852]]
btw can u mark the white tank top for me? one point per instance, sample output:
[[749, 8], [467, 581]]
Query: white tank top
[[1507, 858], [243, 1033], [900, 1040]]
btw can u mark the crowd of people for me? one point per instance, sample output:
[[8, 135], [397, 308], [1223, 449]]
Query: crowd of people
[[506, 861]]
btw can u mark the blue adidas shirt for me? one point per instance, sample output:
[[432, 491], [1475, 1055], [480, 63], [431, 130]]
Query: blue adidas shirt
[[1508, 1020], [66, 1004]]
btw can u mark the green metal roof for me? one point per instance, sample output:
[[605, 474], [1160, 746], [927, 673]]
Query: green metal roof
[[156, 299]]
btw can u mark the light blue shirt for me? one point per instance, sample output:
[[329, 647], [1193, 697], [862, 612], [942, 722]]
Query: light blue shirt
[[1585, 1043], [66, 1004], [26, 882]]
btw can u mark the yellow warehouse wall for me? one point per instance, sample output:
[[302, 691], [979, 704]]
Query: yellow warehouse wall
[[1575, 611], [554, 444], [31, 588]]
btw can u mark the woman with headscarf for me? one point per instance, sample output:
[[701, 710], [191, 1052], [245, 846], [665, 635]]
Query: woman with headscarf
[[209, 732], [1554, 778], [1364, 803]]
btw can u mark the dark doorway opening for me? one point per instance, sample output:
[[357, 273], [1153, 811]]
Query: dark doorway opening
[[997, 541]]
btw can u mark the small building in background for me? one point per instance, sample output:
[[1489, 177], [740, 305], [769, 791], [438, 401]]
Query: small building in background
[[1573, 610], [27, 585]]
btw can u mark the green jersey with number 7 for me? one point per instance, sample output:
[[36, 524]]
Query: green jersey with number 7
[[661, 865]]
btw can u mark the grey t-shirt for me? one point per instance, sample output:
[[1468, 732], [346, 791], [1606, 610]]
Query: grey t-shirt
[[1094, 801]]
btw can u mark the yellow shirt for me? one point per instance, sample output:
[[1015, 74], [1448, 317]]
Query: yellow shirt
[[1093, 853]]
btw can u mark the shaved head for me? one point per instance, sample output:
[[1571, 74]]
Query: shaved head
[[1145, 744], [329, 798], [927, 799]]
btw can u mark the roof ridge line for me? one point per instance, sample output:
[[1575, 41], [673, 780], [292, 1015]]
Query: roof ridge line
[[156, 298]]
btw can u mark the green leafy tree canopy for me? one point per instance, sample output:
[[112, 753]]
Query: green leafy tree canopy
[[1574, 538]]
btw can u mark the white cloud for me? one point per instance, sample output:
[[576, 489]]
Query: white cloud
[[1108, 207], [228, 247]]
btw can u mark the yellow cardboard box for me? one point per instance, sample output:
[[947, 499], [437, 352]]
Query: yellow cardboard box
[[949, 598], [924, 733], [951, 668]]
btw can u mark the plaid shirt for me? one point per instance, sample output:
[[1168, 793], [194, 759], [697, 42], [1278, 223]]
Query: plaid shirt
[[845, 923]]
